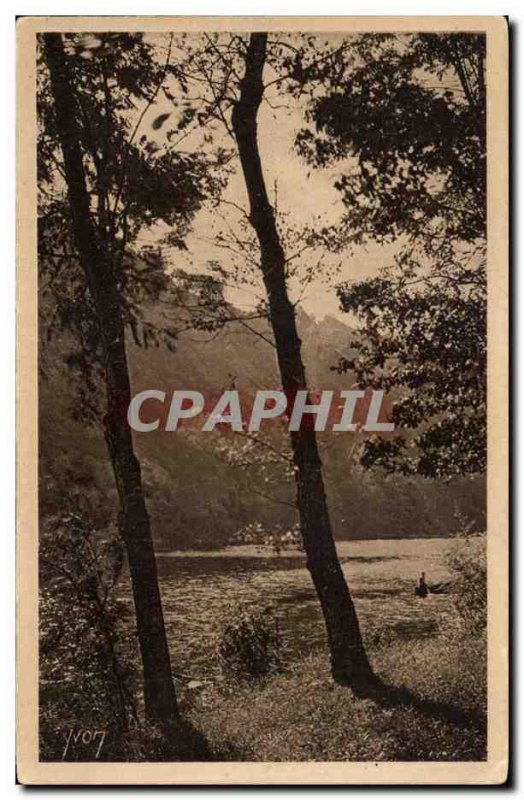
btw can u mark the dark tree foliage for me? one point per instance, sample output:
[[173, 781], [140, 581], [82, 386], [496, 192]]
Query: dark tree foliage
[[410, 114], [429, 349], [405, 119]]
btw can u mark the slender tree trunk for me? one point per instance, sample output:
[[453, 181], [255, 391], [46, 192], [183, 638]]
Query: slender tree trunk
[[349, 663], [159, 691]]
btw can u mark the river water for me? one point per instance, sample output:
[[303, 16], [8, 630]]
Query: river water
[[201, 589]]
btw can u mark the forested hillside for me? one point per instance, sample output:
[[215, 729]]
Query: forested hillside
[[204, 488]]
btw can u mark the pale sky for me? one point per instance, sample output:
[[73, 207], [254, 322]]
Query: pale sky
[[305, 195]]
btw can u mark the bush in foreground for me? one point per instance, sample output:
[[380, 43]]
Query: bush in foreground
[[468, 562], [250, 645]]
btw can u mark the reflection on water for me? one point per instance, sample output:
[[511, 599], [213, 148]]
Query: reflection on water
[[199, 589]]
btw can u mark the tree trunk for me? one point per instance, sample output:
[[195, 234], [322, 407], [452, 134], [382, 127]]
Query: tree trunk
[[95, 260], [349, 663]]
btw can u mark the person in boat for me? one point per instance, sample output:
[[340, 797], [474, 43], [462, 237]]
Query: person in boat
[[421, 588]]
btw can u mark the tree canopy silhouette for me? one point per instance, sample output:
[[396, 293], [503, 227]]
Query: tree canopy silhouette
[[404, 117]]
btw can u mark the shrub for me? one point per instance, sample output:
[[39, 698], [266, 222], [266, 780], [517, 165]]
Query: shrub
[[468, 561], [250, 646], [87, 658]]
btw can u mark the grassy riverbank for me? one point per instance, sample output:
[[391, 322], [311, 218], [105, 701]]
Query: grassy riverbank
[[303, 715]]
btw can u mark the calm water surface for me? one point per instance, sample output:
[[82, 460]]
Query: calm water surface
[[200, 589]]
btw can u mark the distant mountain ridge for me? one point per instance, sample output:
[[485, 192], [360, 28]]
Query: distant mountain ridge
[[207, 361]]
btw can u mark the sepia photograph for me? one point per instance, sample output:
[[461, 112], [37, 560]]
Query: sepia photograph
[[262, 307]]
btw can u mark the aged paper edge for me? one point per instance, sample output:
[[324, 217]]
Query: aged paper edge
[[494, 770]]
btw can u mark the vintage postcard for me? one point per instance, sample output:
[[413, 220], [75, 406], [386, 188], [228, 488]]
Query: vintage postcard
[[262, 400]]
